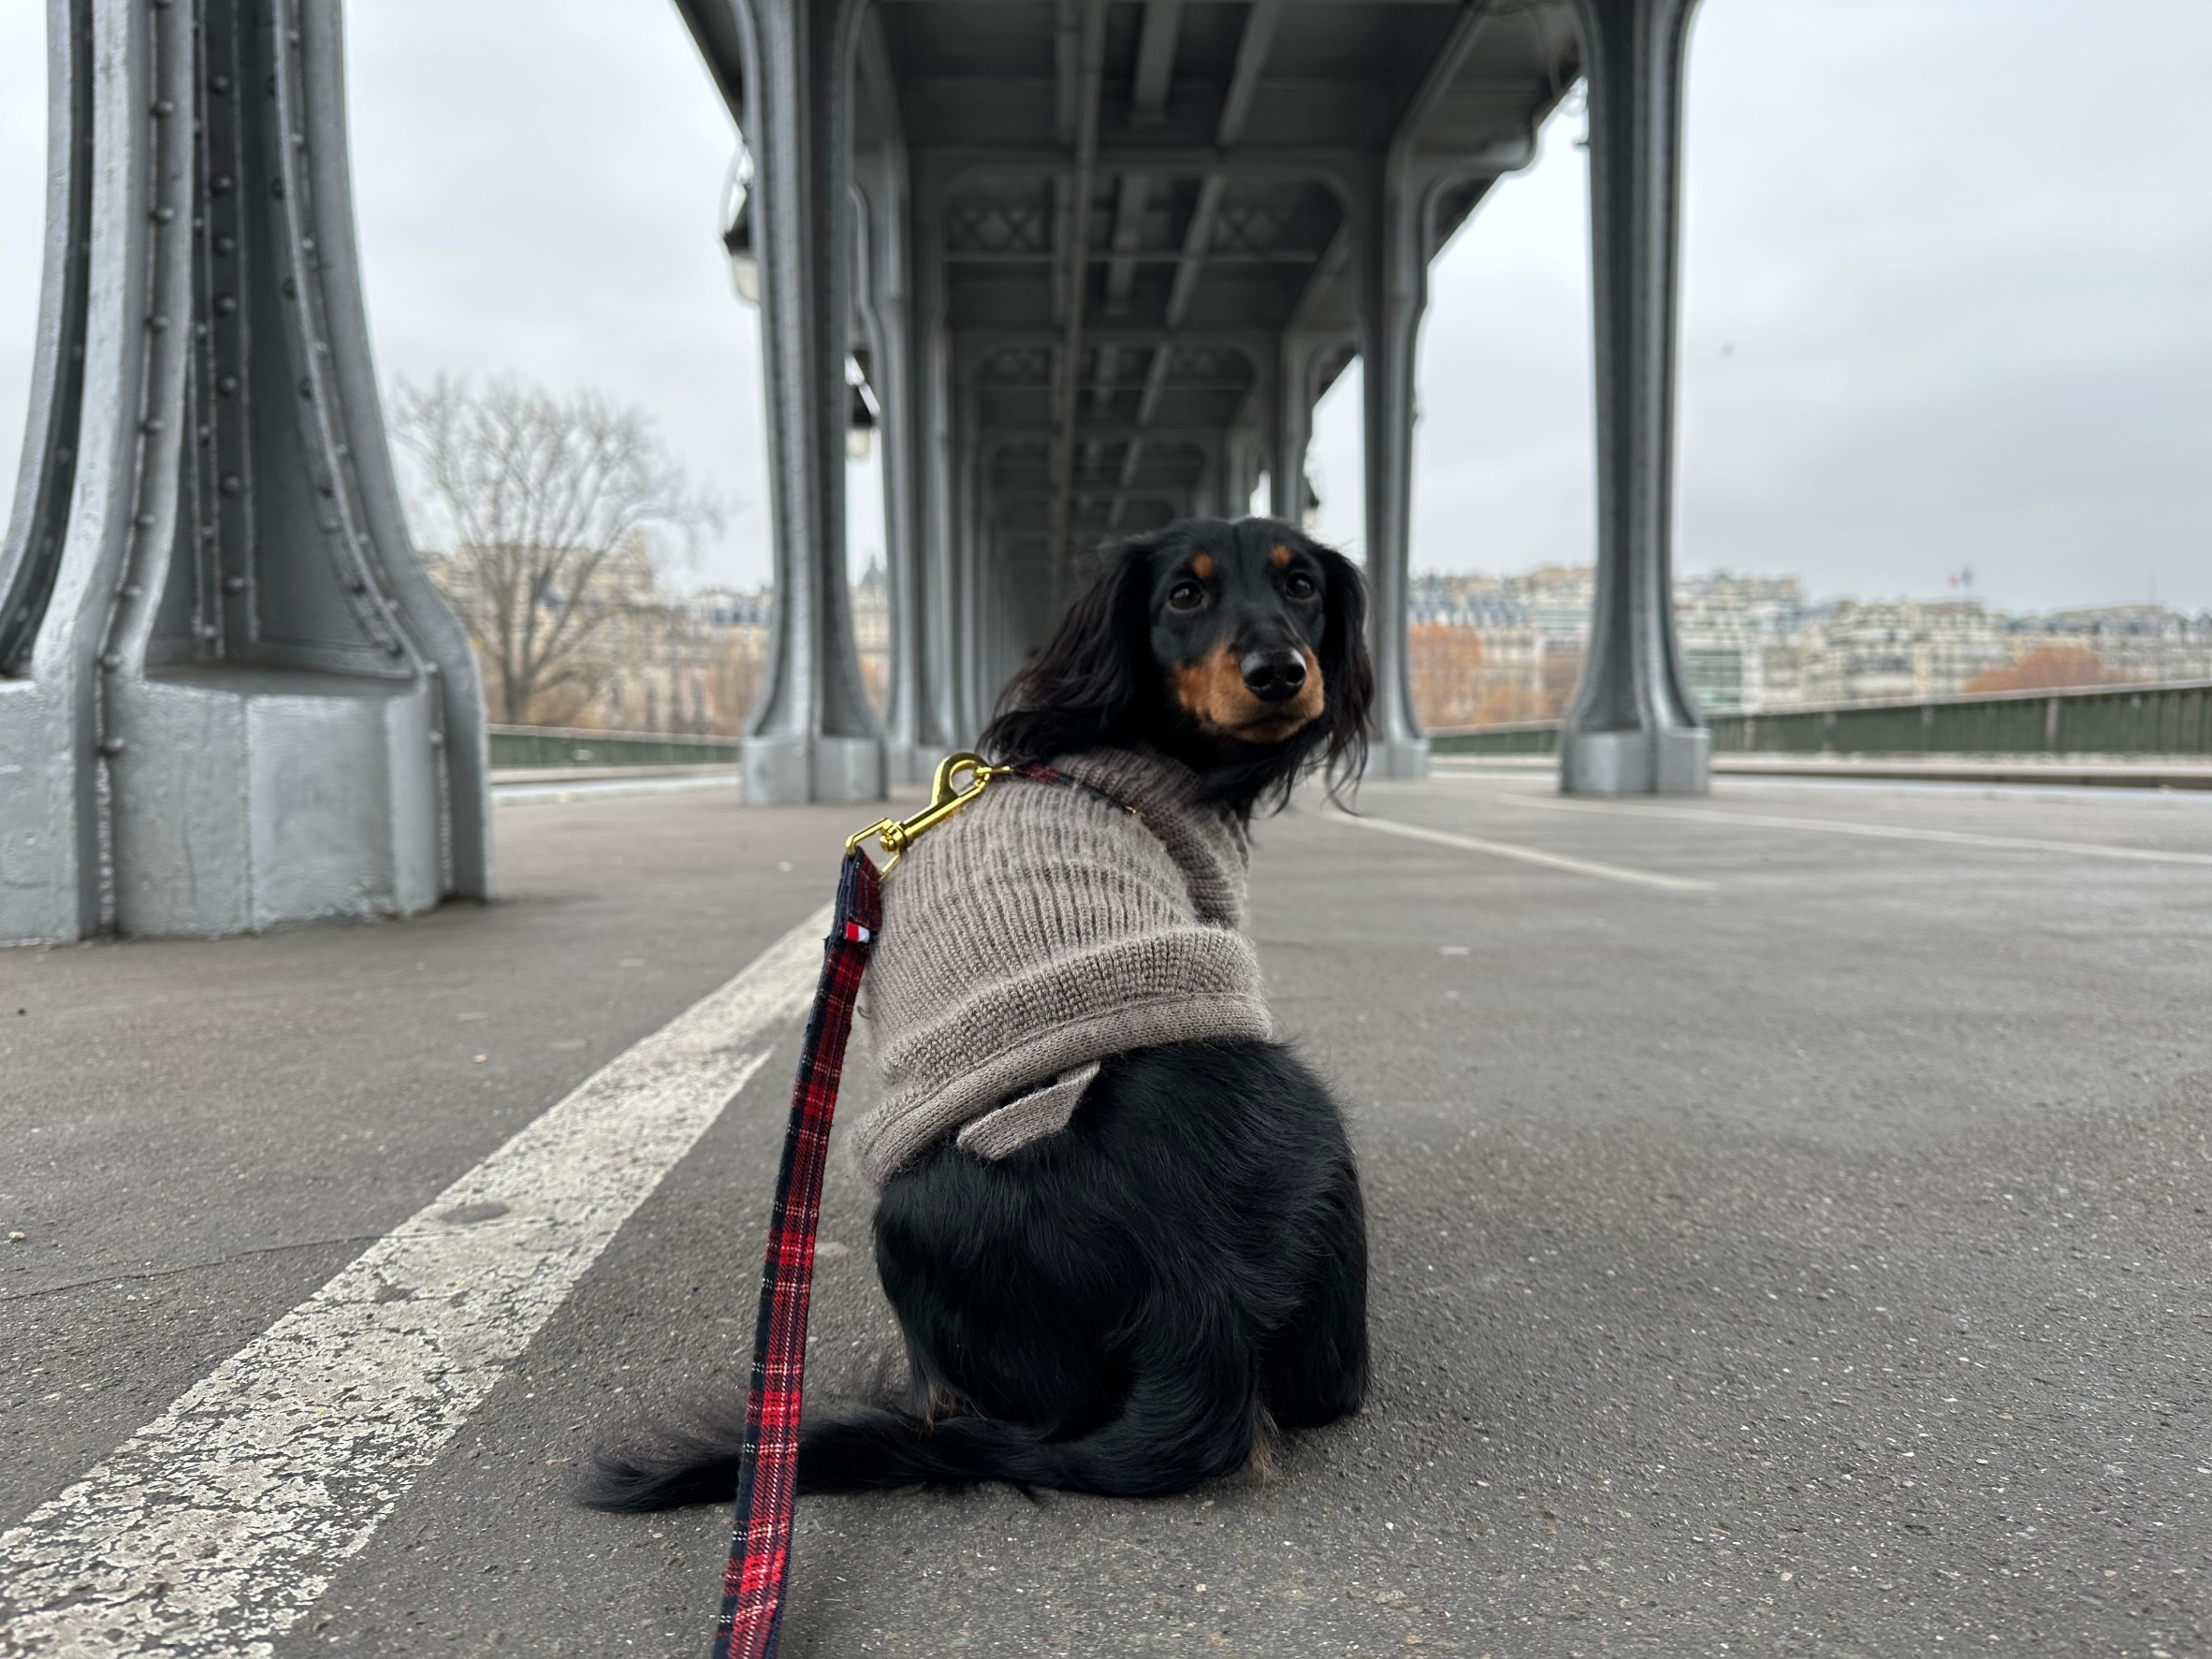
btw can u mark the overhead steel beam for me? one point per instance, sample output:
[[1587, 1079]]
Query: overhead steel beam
[[1118, 259], [1103, 387], [1104, 431], [1091, 73], [1128, 223], [1156, 61], [1339, 165], [1251, 62], [1253, 45], [1155, 382], [1250, 344]]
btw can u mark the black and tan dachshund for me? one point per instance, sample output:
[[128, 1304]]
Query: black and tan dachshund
[[1116, 1309]]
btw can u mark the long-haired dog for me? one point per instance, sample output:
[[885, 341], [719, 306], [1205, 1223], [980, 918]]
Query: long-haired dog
[[1118, 1310]]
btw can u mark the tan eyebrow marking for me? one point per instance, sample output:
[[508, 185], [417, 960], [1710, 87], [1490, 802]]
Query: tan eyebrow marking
[[1202, 566], [1281, 555]]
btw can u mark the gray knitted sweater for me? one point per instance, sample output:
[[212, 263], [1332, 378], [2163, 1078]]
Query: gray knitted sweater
[[1039, 930]]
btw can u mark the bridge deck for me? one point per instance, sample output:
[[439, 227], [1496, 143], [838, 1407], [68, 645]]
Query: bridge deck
[[1788, 1213]]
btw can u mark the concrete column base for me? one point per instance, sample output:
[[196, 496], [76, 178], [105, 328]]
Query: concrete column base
[[1397, 756], [247, 798], [1671, 760], [787, 771]]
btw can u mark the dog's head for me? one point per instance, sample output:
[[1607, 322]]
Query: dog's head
[[1239, 648]]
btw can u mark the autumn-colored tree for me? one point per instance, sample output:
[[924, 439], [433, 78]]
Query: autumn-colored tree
[[1444, 663], [2048, 668], [1506, 703]]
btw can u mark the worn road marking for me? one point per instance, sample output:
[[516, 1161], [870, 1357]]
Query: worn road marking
[[1887, 832], [1557, 861], [217, 1527]]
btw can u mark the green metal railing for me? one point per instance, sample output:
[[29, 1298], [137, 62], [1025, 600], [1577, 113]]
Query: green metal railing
[[2170, 719], [561, 745]]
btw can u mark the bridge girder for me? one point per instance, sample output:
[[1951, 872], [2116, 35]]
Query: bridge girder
[[1145, 236]]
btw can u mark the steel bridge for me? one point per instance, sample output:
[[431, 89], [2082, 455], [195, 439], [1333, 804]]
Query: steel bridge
[[1098, 260]]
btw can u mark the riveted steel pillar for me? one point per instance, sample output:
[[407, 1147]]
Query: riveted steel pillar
[[1295, 388], [1634, 727], [1393, 263], [228, 696], [976, 601], [937, 578], [1247, 459], [886, 322], [1214, 494], [813, 736]]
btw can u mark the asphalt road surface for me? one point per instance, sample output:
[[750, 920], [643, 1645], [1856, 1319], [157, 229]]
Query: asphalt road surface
[[1789, 1212]]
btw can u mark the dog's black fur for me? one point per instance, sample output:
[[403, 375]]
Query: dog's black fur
[[1114, 1308]]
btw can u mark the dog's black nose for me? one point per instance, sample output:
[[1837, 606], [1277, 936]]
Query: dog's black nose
[[1273, 676]]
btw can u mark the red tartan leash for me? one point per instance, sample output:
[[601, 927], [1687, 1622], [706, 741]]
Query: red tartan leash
[[768, 1464]]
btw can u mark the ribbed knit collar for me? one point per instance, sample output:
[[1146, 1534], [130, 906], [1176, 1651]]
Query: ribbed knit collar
[[1207, 841]]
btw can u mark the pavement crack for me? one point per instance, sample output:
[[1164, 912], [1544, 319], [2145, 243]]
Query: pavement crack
[[191, 1267]]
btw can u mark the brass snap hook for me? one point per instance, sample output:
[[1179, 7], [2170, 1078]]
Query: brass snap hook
[[946, 798]]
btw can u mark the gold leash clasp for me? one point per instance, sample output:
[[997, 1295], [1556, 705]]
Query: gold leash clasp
[[896, 836]]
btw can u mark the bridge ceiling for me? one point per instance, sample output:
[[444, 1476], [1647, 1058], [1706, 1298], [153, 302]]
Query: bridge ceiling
[[1133, 199]]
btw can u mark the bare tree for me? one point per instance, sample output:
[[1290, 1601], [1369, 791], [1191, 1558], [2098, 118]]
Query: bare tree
[[552, 504]]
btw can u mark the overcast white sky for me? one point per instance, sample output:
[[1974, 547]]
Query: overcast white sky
[[1948, 292]]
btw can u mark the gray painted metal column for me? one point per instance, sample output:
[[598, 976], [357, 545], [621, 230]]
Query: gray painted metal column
[[885, 321], [228, 696], [1634, 727], [1393, 254], [936, 575], [1290, 431], [976, 599], [813, 736]]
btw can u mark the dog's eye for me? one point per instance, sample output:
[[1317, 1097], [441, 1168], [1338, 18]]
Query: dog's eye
[[1298, 584], [1186, 596]]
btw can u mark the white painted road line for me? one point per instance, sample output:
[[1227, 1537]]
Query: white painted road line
[[217, 1526], [1557, 861], [1886, 831]]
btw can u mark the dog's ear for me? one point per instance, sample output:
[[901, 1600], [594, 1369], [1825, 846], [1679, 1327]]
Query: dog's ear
[[1348, 672], [1077, 692]]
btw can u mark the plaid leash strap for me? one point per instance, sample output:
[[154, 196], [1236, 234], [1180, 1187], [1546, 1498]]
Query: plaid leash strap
[[767, 1478]]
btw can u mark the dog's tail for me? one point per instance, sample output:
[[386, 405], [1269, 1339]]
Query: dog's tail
[[691, 1463], [1175, 1429]]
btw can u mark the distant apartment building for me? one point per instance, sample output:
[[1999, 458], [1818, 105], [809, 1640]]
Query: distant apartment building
[[1531, 632], [1855, 651], [2145, 642], [871, 631], [1731, 630], [1752, 642]]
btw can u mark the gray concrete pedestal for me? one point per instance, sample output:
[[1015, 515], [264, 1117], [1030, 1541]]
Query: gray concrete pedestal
[[785, 769], [1676, 761]]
